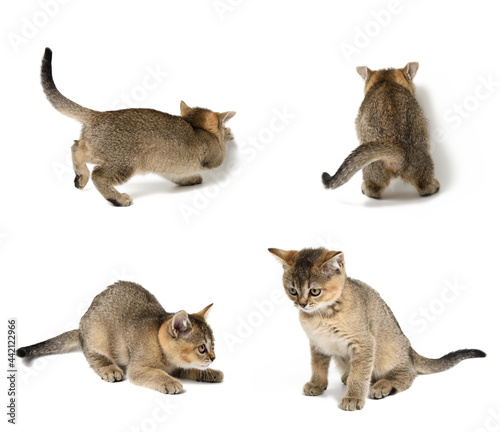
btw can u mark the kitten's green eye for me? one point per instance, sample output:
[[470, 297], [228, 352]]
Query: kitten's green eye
[[202, 349], [292, 291], [315, 292]]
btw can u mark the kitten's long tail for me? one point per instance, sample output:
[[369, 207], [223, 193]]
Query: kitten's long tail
[[61, 344], [362, 156], [58, 101], [424, 365]]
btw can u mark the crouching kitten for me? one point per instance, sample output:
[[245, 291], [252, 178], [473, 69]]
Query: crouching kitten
[[347, 320], [126, 331]]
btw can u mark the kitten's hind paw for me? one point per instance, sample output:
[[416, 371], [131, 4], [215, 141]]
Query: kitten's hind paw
[[111, 373], [352, 403], [123, 200], [189, 181], [381, 389], [81, 181], [371, 190], [428, 189], [311, 389], [210, 375]]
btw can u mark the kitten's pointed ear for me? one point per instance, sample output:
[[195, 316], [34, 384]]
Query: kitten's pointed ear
[[411, 69], [184, 107], [286, 257], [333, 262], [203, 313], [180, 325], [365, 72], [225, 116]]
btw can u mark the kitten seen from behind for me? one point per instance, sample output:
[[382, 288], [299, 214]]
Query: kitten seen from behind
[[393, 135]]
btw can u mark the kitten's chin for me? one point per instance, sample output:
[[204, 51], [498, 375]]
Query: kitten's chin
[[307, 310], [201, 366], [312, 310]]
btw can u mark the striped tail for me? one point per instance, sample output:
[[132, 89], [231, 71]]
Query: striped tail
[[424, 365], [61, 344], [362, 156], [58, 101]]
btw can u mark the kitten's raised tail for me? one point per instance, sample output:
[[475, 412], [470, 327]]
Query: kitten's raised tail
[[61, 344], [362, 156], [424, 365], [58, 101]]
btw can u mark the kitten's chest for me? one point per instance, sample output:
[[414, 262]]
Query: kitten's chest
[[325, 335]]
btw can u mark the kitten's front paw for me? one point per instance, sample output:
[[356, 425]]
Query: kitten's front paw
[[110, 373], [123, 200], [311, 389], [351, 403], [210, 375], [170, 386], [228, 136]]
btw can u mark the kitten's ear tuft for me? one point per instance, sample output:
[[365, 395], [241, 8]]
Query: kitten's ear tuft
[[180, 325], [225, 116], [364, 72], [333, 263], [411, 69], [286, 257], [184, 107], [203, 313]]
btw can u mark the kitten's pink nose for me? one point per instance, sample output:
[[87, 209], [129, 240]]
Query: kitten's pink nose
[[302, 304], [212, 356]]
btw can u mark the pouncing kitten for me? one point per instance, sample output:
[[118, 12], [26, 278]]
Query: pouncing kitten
[[126, 331]]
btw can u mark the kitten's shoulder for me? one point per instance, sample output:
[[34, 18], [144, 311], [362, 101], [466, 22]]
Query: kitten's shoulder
[[362, 289]]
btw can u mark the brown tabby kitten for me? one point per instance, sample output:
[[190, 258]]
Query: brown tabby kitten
[[125, 330], [392, 130], [138, 141], [347, 320]]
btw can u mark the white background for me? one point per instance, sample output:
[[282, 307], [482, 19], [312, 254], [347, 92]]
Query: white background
[[193, 246]]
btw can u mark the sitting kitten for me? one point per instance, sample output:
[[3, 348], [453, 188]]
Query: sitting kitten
[[125, 330], [138, 141], [392, 130], [347, 320]]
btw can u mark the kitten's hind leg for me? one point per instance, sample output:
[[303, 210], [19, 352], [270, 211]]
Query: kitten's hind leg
[[187, 181], [394, 382], [343, 366], [421, 175], [80, 156], [427, 188], [376, 177], [204, 375], [104, 366], [106, 176]]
